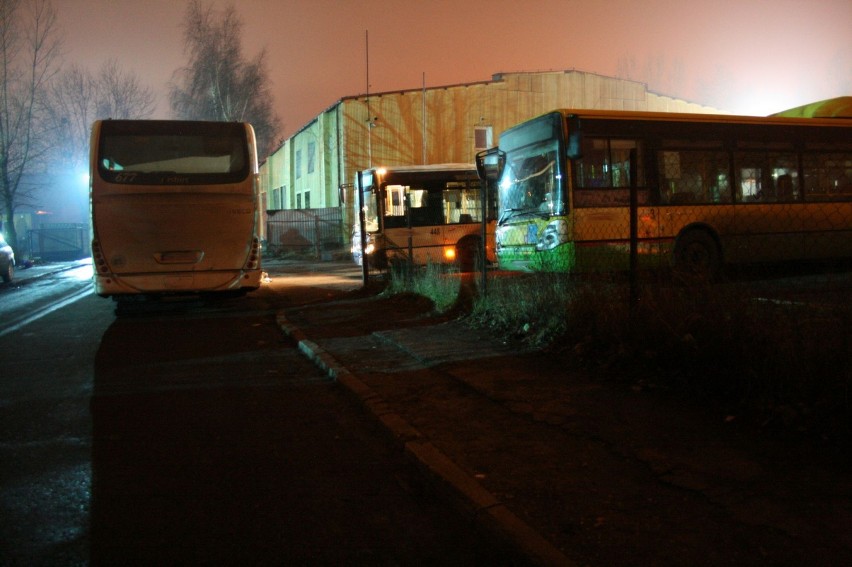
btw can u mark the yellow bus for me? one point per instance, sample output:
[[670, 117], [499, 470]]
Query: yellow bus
[[422, 213], [710, 190], [174, 207]]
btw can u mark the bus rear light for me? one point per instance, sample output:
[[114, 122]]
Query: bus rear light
[[253, 261], [98, 258], [450, 254]]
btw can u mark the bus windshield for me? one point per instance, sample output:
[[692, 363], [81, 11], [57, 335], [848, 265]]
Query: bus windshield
[[170, 153], [530, 181]]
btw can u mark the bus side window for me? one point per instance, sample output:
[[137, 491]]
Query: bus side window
[[827, 176], [426, 207], [620, 160], [435, 205], [784, 188], [766, 177], [606, 163], [394, 196], [592, 168], [694, 176]]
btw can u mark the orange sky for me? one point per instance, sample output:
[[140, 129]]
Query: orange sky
[[745, 56]]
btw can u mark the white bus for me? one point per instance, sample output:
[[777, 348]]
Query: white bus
[[422, 213], [174, 208]]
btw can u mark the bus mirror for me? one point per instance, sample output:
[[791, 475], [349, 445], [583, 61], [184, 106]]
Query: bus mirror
[[574, 147], [489, 164]]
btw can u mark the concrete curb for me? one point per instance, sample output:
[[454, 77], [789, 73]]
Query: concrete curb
[[486, 509]]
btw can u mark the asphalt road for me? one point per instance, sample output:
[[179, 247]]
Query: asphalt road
[[198, 434]]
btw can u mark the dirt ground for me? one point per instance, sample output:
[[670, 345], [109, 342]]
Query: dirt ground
[[608, 471]]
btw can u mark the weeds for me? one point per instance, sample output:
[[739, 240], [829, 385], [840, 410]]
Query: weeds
[[434, 281]]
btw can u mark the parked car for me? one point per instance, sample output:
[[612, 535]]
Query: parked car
[[7, 260]]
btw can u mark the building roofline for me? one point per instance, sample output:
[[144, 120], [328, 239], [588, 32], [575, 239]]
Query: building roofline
[[495, 78]]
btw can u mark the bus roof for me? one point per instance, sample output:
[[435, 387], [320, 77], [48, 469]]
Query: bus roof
[[706, 118]]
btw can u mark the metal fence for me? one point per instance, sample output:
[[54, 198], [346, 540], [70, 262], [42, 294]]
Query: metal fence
[[318, 233], [59, 242]]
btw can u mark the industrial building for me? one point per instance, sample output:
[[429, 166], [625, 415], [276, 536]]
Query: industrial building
[[316, 167]]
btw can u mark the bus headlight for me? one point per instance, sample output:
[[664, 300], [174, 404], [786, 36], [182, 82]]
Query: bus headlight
[[554, 234]]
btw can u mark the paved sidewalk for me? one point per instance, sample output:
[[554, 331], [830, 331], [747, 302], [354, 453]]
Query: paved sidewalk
[[578, 467]]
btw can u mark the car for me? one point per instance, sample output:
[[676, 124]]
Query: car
[[7, 260]]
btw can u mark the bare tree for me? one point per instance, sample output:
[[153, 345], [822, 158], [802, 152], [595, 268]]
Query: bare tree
[[120, 95], [78, 98], [71, 96], [29, 55], [218, 82]]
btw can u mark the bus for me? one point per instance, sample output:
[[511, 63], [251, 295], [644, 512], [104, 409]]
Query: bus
[[709, 190], [174, 208], [423, 213]]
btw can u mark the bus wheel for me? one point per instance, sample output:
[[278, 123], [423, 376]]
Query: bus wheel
[[697, 257], [467, 251]]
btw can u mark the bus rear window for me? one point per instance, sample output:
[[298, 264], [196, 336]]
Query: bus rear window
[[169, 153]]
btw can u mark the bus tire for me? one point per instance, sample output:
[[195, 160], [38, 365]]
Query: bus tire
[[8, 273], [697, 257], [467, 253]]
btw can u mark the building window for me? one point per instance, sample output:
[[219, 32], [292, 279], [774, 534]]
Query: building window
[[312, 150], [298, 164], [482, 138], [298, 200], [307, 199]]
